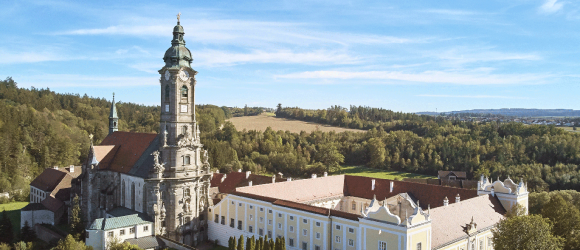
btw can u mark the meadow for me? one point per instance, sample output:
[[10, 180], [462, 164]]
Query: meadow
[[381, 174], [13, 211], [265, 120]]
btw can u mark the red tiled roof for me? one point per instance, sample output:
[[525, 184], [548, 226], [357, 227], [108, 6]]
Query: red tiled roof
[[427, 194], [48, 179], [448, 222], [128, 148], [238, 179]]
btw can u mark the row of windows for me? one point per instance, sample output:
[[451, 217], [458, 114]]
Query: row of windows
[[291, 229], [251, 217], [122, 231], [183, 91]]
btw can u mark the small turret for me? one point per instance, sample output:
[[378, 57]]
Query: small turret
[[113, 118]]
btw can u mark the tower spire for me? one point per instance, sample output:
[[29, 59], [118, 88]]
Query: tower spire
[[113, 118]]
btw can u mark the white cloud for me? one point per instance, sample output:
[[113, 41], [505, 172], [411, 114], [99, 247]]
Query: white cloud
[[30, 57], [475, 96], [464, 55], [244, 32], [449, 12], [461, 78], [551, 6], [216, 57]]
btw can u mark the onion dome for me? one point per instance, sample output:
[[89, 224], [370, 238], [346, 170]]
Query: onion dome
[[177, 55]]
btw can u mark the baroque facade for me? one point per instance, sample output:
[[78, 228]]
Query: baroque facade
[[163, 177], [353, 212]]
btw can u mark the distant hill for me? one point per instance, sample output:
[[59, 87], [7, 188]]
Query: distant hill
[[515, 112]]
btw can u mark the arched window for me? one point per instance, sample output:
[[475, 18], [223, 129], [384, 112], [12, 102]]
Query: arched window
[[184, 91], [123, 193], [167, 93], [187, 192], [183, 130], [133, 198], [186, 160]]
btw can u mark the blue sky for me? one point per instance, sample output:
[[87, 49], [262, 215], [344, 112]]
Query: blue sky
[[400, 55]]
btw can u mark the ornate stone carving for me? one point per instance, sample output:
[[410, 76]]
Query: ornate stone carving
[[158, 167]]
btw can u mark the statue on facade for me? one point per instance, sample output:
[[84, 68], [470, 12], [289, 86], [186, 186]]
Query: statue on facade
[[157, 166]]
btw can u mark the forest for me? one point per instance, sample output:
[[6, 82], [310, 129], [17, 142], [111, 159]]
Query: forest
[[40, 128]]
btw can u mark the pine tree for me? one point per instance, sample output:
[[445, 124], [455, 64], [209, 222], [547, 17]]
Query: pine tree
[[271, 244], [241, 243], [283, 243], [26, 233], [266, 243], [6, 231], [260, 243], [250, 244], [77, 227]]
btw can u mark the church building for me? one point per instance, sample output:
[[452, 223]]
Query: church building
[[160, 178], [159, 189]]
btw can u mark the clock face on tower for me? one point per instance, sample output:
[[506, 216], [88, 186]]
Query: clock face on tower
[[167, 75], [183, 75]]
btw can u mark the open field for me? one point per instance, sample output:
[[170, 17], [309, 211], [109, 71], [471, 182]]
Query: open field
[[570, 129], [263, 121], [381, 174], [13, 211]]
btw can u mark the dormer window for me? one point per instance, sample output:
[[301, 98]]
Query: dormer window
[[184, 92]]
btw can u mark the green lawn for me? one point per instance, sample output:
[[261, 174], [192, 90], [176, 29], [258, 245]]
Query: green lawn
[[382, 174], [13, 210]]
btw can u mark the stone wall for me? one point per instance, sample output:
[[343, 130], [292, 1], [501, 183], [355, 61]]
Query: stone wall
[[36, 217]]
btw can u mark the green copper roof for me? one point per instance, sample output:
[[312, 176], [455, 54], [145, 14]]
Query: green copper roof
[[177, 55], [113, 113], [118, 222]]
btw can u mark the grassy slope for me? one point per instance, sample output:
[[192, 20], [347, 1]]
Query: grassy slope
[[382, 174], [13, 210]]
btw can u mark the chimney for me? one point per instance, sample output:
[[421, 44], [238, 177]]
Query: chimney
[[239, 170], [445, 202], [72, 168], [325, 174], [288, 179], [55, 167], [492, 191], [273, 178], [250, 183], [313, 176], [457, 199], [248, 174], [373, 184], [392, 186]]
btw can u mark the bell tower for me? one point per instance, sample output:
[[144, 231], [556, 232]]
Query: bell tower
[[179, 183], [113, 118]]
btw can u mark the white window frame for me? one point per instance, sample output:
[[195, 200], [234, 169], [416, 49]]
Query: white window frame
[[382, 245]]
